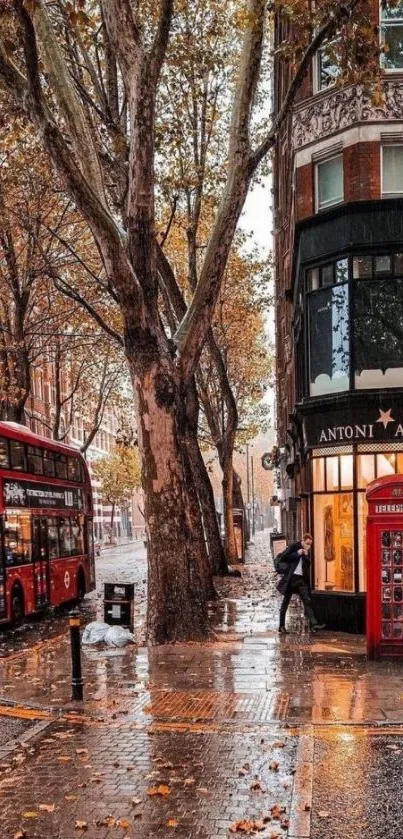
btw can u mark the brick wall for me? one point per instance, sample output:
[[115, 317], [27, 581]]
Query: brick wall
[[362, 174], [304, 192]]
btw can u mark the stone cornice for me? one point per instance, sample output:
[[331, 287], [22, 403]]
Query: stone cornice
[[327, 114]]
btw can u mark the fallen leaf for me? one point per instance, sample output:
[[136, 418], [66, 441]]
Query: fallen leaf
[[247, 826], [138, 815], [188, 782], [123, 823], [323, 814], [277, 811], [71, 797], [273, 766], [30, 814], [163, 789], [80, 825], [136, 801], [256, 785], [172, 823], [278, 744], [285, 823], [82, 752], [47, 808], [21, 834], [64, 758]]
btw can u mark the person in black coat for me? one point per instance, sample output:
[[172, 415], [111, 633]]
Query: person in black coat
[[296, 580]]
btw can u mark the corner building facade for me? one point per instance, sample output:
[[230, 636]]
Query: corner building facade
[[338, 196]]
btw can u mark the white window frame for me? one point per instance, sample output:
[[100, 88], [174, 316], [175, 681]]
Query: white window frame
[[383, 193], [381, 40], [319, 163]]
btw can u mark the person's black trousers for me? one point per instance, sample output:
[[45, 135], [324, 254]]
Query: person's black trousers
[[298, 586]]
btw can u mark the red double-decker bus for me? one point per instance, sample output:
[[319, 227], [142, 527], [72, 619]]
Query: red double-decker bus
[[46, 533]]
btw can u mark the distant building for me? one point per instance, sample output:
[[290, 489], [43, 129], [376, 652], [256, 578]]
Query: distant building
[[40, 411], [338, 182]]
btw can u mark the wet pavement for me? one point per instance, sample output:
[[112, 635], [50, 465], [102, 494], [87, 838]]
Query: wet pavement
[[250, 734]]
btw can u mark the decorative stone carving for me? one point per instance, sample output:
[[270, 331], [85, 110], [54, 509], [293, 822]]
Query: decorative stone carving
[[326, 115]]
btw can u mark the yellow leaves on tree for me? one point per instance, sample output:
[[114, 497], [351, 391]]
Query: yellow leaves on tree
[[119, 474]]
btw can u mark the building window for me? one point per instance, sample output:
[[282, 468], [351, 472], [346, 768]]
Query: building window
[[329, 182], [392, 171], [392, 35], [378, 333], [327, 68], [372, 333], [329, 344]]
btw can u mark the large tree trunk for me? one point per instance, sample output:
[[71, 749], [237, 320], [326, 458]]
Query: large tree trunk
[[227, 487], [216, 552], [180, 579]]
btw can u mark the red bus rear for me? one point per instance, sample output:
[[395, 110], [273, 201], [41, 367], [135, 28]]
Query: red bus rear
[[46, 533]]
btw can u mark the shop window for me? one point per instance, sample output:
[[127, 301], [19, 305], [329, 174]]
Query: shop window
[[378, 333], [17, 539], [329, 182], [332, 473], [385, 464], [362, 509], [392, 170], [341, 271], [17, 455], [334, 542], [346, 471], [4, 456], [327, 274], [318, 474], [398, 263], [34, 458], [365, 470], [329, 344], [392, 35]]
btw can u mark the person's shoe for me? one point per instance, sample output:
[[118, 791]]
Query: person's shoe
[[282, 630], [317, 627]]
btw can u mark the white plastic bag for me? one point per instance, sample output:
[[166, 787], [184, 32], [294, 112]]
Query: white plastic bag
[[118, 636], [95, 632]]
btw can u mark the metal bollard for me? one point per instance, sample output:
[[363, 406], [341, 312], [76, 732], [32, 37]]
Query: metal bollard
[[75, 641]]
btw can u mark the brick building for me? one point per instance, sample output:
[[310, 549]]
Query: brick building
[[40, 409], [339, 310]]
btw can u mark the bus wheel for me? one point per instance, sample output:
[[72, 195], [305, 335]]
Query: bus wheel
[[80, 584], [17, 606]]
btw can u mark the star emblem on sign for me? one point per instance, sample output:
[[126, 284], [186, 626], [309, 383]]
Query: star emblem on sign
[[385, 417]]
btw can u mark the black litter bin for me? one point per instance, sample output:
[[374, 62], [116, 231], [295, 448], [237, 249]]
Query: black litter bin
[[119, 604]]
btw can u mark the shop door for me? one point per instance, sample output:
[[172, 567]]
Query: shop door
[[40, 557]]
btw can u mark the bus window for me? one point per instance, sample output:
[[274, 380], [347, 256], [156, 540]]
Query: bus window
[[4, 458], [65, 537], [73, 469], [49, 464], [61, 466], [77, 546], [35, 462], [17, 538], [53, 538], [17, 455]]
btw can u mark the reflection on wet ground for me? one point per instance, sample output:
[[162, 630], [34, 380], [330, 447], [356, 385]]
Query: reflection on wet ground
[[196, 738]]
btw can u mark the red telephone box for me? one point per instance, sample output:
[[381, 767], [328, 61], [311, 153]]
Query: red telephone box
[[385, 567]]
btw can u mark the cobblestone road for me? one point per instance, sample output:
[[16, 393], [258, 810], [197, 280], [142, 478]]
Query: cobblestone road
[[193, 739]]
